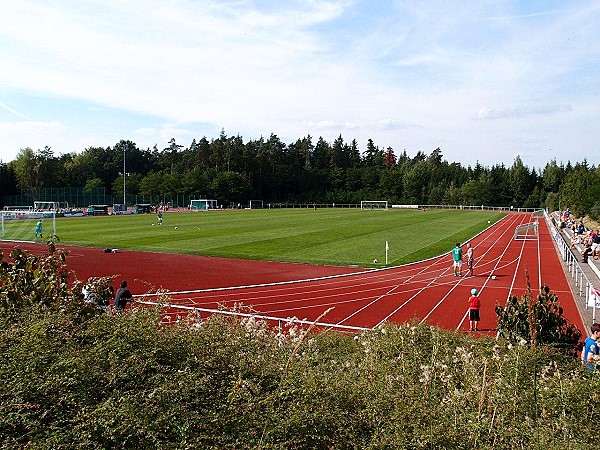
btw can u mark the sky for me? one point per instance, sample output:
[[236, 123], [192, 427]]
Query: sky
[[485, 81]]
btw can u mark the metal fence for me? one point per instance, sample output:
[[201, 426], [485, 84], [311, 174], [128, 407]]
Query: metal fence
[[79, 197], [278, 322]]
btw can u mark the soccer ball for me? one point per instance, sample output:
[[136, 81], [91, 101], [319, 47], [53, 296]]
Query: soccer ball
[[489, 221], [152, 224], [175, 227], [375, 261], [493, 277]]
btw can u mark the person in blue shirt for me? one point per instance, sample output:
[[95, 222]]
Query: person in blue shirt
[[38, 229], [590, 347]]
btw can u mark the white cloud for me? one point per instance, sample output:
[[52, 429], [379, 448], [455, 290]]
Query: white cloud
[[15, 136], [522, 112], [14, 112], [145, 132], [31, 128]]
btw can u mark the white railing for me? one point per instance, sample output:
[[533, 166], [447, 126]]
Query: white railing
[[585, 287], [280, 321]]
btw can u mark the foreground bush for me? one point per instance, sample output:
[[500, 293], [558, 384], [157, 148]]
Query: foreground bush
[[74, 377], [127, 382], [538, 321]]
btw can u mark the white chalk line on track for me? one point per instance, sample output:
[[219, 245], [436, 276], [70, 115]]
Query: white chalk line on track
[[454, 284], [337, 298], [309, 293], [393, 288], [508, 228]]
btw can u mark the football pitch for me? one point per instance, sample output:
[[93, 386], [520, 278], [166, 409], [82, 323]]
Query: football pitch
[[322, 236]]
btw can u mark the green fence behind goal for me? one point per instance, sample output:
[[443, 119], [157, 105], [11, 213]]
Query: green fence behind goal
[[19, 225]]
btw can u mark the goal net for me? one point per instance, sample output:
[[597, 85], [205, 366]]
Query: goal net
[[526, 231], [537, 214], [374, 204], [202, 204], [21, 225], [256, 204]]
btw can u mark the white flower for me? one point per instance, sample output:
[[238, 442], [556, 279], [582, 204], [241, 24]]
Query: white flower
[[426, 376]]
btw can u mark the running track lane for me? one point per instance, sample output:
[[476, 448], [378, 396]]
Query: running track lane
[[426, 291]]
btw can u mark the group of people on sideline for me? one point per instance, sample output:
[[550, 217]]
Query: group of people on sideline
[[584, 239], [99, 292]]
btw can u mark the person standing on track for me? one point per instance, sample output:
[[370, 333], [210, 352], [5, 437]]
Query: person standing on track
[[474, 306], [457, 260], [590, 348], [470, 260]]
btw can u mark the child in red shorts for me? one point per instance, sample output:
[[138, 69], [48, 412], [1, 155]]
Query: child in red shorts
[[474, 305]]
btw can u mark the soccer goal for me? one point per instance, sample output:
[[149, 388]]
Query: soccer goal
[[537, 214], [256, 204], [526, 231], [202, 204], [374, 204], [20, 225]]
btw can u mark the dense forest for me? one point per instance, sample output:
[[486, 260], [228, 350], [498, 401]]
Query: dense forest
[[233, 171]]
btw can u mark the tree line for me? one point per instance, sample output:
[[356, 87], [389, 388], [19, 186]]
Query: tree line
[[233, 171]]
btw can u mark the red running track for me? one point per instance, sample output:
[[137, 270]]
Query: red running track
[[426, 291]]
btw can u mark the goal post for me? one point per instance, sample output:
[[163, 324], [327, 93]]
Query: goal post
[[537, 214], [20, 225], [256, 204], [368, 205], [202, 204]]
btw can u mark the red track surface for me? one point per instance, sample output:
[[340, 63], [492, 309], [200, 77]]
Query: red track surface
[[425, 291]]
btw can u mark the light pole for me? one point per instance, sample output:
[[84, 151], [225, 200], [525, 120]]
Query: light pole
[[124, 174]]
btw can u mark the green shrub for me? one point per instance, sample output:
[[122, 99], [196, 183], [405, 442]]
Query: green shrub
[[538, 322], [96, 381]]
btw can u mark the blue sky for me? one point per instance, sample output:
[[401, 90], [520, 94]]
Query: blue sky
[[482, 80]]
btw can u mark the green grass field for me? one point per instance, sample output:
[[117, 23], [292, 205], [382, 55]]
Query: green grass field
[[325, 236]]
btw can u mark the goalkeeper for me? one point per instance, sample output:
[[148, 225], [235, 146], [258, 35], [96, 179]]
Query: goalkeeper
[[38, 229]]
